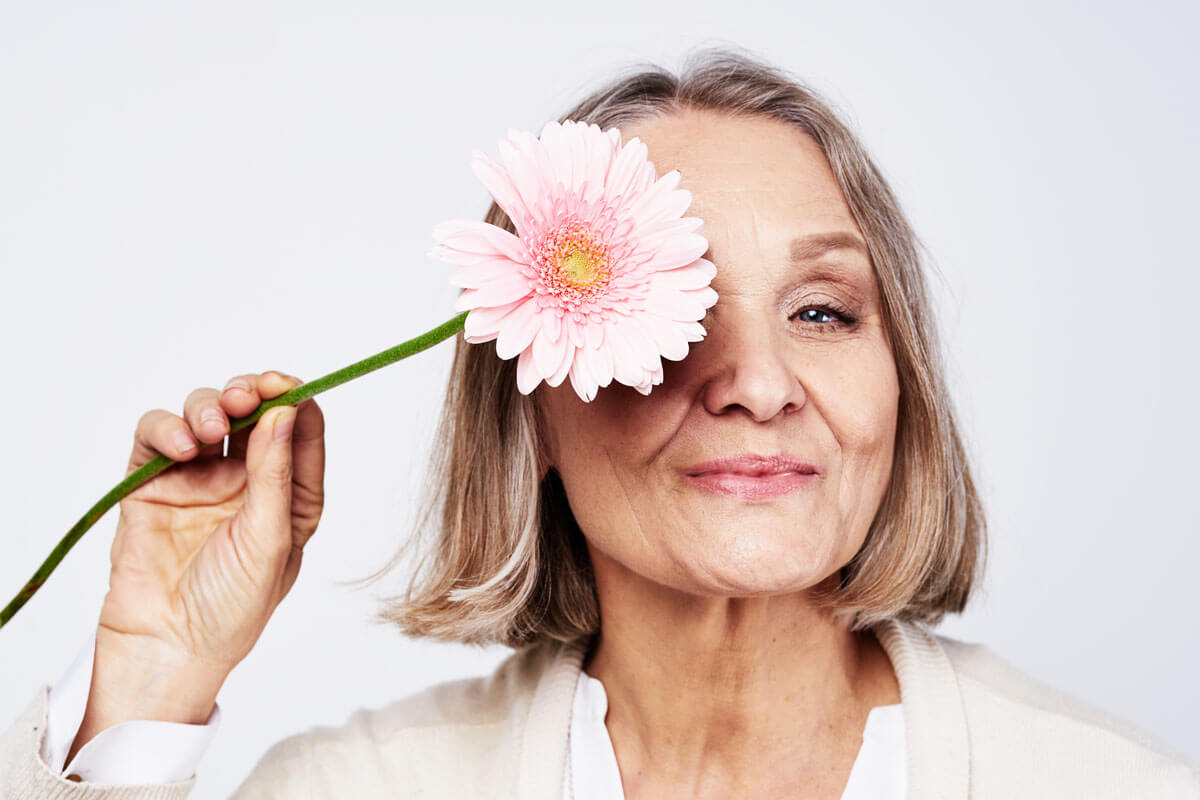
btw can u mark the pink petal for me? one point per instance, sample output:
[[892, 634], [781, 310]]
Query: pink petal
[[642, 340], [466, 300], [626, 367], [552, 321], [600, 364], [537, 161], [504, 288], [452, 256], [574, 330], [582, 380], [596, 163], [476, 236], [667, 335], [482, 338], [568, 357], [649, 206], [645, 240], [486, 321], [624, 169], [522, 171], [558, 148], [653, 233], [593, 336], [693, 331], [678, 252], [517, 330], [696, 275], [548, 354], [472, 276], [527, 376], [654, 379], [496, 180], [685, 306]]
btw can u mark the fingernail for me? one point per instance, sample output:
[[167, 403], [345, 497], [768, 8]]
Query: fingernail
[[211, 415], [283, 425], [237, 383], [183, 442]]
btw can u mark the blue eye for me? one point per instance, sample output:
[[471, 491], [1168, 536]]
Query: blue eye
[[843, 318]]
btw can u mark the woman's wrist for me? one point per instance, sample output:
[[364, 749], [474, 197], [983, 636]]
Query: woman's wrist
[[138, 683], [149, 676]]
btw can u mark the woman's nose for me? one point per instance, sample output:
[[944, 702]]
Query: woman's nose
[[749, 370]]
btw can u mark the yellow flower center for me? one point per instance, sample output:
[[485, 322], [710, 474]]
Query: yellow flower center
[[573, 263], [577, 268]]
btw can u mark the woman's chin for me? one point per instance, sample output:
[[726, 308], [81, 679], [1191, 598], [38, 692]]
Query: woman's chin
[[749, 566]]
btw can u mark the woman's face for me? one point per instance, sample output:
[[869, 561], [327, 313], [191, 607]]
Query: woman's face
[[777, 375]]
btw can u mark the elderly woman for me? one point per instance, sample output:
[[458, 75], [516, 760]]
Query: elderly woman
[[721, 589]]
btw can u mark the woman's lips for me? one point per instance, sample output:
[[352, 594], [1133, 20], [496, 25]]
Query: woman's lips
[[740, 484]]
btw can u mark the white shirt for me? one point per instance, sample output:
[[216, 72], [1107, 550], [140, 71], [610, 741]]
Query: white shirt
[[150, 751]]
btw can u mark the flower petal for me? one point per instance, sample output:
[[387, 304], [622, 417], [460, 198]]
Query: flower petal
[[527, 375], [517, 330], [678, 252], [452, 256], [652, 204], [476, 236], [668, 336], [498, 183], [696, 275], [626, 366], [693, 331], [682, 306], [582, 380], [560, 373], [503, 289], [522, 172], [558, 147], [641, 339], [600, 364], [625, 169], [485, 322], [472, 276], [548, 353]]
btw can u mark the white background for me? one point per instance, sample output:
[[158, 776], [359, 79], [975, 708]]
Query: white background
[[190, 191]]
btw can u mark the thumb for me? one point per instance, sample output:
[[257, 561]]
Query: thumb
[[267, 510]]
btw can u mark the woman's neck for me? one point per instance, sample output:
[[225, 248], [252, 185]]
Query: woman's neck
[[743, 696]]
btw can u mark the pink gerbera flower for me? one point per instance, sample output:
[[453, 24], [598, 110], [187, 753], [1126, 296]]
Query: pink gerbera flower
[[604, 277]]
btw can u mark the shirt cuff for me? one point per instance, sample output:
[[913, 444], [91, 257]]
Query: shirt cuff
[[133, 752]]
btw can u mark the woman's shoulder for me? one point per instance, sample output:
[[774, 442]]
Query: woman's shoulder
[[1014, 718], [421, 741]]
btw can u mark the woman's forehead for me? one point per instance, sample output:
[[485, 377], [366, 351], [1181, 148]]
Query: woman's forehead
[[747, 173], [711, 146]]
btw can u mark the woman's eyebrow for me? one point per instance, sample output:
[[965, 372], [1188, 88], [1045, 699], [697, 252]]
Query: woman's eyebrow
[[807, 248]]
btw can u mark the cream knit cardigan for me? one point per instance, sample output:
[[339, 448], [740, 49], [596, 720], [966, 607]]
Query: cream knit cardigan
[[975, 727]]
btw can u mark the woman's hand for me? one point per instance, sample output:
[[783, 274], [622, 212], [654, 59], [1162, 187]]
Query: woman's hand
[[204, 551]]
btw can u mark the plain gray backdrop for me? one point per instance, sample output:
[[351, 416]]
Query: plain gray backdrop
[[193, 191]]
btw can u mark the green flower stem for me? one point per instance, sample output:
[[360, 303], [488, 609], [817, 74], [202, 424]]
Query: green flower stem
[[161, 462]]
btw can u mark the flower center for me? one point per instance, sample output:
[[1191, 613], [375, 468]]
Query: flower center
[[573, 264], [577, 268]]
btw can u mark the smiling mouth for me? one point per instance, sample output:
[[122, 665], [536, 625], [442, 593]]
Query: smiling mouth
[[753, 485]]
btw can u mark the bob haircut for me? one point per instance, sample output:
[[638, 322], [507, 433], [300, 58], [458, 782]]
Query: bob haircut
[[507, 562]]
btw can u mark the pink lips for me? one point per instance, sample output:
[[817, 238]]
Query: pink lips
[[753, 476]]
